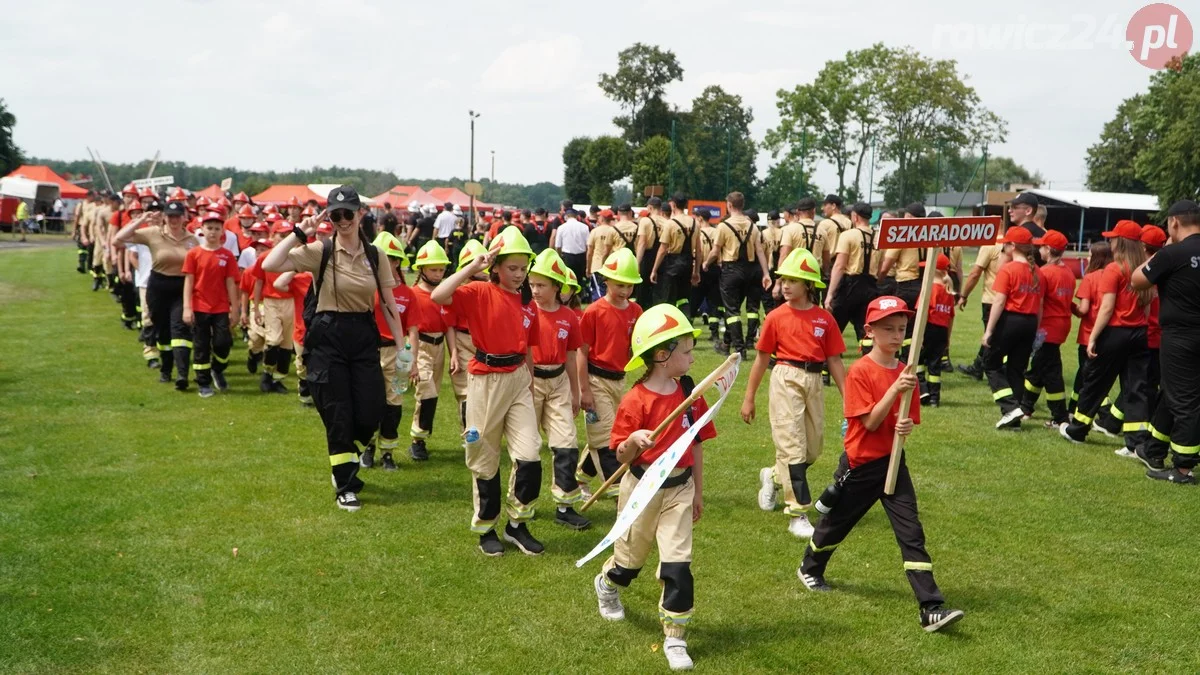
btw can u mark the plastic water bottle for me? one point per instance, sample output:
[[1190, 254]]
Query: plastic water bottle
[[592, 417], [1039, 340], [828, 498], [404, 361], [845, 426], [471, 435]]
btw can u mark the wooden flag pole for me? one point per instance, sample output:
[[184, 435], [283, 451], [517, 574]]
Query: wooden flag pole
[[914, 358]]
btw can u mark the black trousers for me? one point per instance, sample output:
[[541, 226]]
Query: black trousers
[[128, 294], [213, 342], [674, 285], [850, 304], [860, 488], [741, 282], [1046, 373], [164, 295], [706, 298], [341, 352], [768, 298], [578, 264], [1082, 359], [986, 310], [1012, 340], [1121, 352], [1176, 422], [910, 293], [645, 291], [929, 373]]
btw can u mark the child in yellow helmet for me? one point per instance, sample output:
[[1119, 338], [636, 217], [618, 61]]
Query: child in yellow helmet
[[664, 340], [502, 318], [802, 338], [430, 264]]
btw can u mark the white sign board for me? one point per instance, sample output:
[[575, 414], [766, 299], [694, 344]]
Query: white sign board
[[226, 183], [153, 182]]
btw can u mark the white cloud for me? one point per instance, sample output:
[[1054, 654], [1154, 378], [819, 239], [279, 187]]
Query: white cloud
[[534, 67]]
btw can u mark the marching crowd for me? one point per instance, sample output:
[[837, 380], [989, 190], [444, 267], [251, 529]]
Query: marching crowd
[[539, 317]]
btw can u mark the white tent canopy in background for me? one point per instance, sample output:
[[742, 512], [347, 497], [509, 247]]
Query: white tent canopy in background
[[24, 188], [1117, 201]]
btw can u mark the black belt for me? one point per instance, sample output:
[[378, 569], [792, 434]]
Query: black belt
[[639, 470], [605, 373], [431, 339], [464, 331], [498, 360], [807, 366], [549, 374]]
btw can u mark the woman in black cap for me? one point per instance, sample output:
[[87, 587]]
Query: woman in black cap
[[341, 346]]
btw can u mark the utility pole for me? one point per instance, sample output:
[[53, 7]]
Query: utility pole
[[473, 115], [493, 167]]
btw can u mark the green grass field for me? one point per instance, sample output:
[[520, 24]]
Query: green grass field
[[122, 504]]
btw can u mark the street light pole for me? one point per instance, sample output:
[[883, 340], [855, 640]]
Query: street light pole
[[474, 115], [493, 167]]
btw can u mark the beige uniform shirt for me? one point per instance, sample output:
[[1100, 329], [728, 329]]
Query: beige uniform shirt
[[907, 263], [672, 236], [851, 243], [627, 233], [348, 284], [166, 252], [708, 236], [803, 234], [728, 243], [771, 237], [832, 227], [989, 260], [601, 241], [646, 228]]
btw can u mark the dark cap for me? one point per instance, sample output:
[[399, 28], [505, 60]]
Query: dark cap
[[833, 199], [809, 204], [1183, 207], [176, 209], [751, 214], [863, 210], [654, 203], [773, 215], [449, 206], [936, 214], [1026, 199], [527, 213], [917, 209], [539, 211], [344, 197], [625, 208], [594, 208]]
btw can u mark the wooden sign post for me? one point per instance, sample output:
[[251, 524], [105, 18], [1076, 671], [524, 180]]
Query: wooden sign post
[[930, 234]]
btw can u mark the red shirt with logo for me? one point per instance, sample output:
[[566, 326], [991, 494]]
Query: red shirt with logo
[[607, 331], [499, 324], [209, 270], [866, 384], [298, 289], [1058, 285], [257, 273], [643, 409], [1017, 282], [429, 314], [408, 308], [941, 306], [808, 335], [1128, 313], [1088, 290], [558, 333]]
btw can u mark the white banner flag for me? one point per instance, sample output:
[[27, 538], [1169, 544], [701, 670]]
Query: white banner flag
[[657, 473]]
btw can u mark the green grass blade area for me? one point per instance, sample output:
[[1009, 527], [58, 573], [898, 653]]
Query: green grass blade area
[[122, 502]]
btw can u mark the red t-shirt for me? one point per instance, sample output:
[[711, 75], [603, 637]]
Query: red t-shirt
[[210, 269], [866, 384], [257, 273], [809, 335], [1088, 290], [607, 332], [941, 306], [406, 305], [498, 322], [451, 318], [1154, 330], [1127, 313], [298, 289], [643, 409], [234, 225], [1058, 285], [1017, 282], [429, 314], [558, 333]]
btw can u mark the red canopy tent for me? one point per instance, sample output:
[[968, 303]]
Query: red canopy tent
[[457, 197], [213, 192], [43, 174], [281, 194], [403, 195]]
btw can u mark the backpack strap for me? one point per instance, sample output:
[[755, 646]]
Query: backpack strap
[[373, 260], [326, 254]]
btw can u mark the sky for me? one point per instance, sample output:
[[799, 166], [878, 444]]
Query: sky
[[387, 85]]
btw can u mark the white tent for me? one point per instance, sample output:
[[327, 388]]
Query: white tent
[[24, 188]]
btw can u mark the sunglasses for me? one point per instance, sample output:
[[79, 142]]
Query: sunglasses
[[340, 215]]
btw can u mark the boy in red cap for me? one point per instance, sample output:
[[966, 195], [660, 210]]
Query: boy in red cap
[[274, 311], [254, 336], [1012, 325], [209, 294], [1045, 369], [937, 334], [874, 386]]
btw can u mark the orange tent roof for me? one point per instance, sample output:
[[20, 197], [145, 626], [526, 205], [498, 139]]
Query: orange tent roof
[[402, 195], [280, 194], [453, 195], [43, 174], [213, 192]]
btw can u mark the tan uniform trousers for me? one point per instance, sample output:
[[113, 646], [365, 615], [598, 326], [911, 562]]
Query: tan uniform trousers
[[607, 395], [258, 337], [466, 350], [797, 411], [500, 405], [148, 351], [279, 322], [387, 362], [431, 365], [667, 520], [552, 407]]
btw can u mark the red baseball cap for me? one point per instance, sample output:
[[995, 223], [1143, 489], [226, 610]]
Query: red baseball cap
[[213, 215], [885, 306], [273, 218], [177, 195], [134, 206], [1153, 235], [203, 201], [282, 227], [943, 262], [265, 243], [308, 211], [1016, 235], [606, 213], [129, 189], [245, 212], [1054, 239], [294, 201], [325, 227], [1125, 229], [271, 208], [241, 197], [259, 227]]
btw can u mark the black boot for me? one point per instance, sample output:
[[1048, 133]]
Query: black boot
[[418, 451], [252, 362]]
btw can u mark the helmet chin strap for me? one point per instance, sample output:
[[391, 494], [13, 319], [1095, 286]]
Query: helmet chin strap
[[427, 279]]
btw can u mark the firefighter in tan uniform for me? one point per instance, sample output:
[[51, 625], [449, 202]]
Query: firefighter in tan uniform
[[649, 233], [707, 292], [676, 267], [834, 224], [744, 273]]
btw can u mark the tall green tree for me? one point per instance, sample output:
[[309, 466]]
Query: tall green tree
[[786, 181], [576, 181], [606, 160], [642, 75], [11, 156], [714, 152], [1170, 161], [651, 164], [1111, 162]]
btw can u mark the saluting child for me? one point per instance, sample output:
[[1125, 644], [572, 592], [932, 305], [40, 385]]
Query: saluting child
[[502, 318], [555, 382], [458, 336], [296, 285], [874, 387], [803, 339], [937, 334], [209, 295], [606, 327], [275, 312], [430, 350], [665, 340]]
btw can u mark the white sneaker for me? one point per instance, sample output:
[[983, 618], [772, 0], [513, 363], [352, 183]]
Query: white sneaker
[[677, 656], [800, 527], [1008, 418], [585, 490], [609, 599], [766, 489], [1124, 452]]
